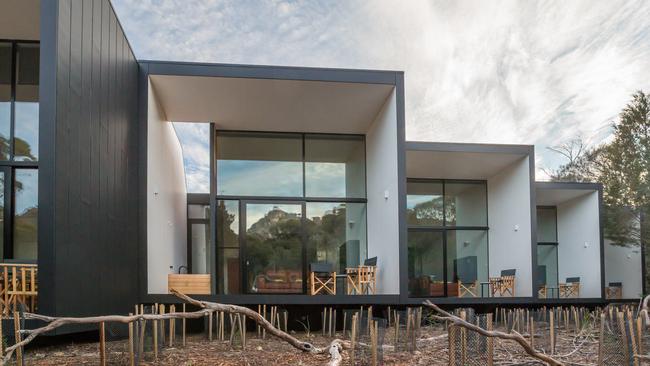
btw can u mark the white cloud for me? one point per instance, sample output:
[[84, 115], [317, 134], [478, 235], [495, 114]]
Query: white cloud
[[532, 72]]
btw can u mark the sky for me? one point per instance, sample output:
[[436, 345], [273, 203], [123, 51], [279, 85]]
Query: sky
[[519, 72]]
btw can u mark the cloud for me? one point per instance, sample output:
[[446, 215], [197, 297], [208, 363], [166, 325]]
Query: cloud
[[528, 72]]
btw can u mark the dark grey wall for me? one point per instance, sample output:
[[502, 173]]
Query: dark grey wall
[[88, 183]]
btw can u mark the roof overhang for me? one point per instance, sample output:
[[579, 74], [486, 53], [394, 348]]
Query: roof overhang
[[20, 19], [461, 161], [268, 98], [556, 193]]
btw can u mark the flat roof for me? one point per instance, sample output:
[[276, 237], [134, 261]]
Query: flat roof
[[445, 160], [555, 193], [271, 98]]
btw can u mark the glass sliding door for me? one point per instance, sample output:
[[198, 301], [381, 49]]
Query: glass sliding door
[[426, 263], [273, 248]]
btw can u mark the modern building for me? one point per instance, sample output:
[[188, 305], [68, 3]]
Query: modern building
[[307, 165]]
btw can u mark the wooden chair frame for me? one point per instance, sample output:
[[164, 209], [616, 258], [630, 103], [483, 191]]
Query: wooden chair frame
[[569, 290], [503, 285], [468, 288], [18, 285], [361, 280], [322, 282], [614, 292]]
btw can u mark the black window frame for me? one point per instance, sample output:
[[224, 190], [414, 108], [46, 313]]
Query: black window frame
[[302, 200], [555, 243], [444, 228], [9, 166]]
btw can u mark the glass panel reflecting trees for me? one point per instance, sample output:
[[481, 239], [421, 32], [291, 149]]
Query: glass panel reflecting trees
[[26, 105], [424, 203], [447, 219], [426, 263], [300, 198], [336, 234], [5, 98], [25, 213], [547, 248], [228, 265], [274, 248]]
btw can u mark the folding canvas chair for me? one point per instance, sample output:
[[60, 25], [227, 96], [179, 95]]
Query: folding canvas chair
[[466, 270], [322, 279], [571, 288], [614, 290], [505, 284], [362, 279]]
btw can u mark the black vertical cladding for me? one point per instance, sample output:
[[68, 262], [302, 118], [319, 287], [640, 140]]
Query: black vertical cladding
[[88, 181]]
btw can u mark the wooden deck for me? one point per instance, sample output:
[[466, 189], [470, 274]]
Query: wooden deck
[[18, 285]]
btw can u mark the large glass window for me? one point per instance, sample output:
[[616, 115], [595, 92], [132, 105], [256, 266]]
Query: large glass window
[[25, 213], [424, 204], [467, 259], [546, 225], [300, 199], [19, 115], [547, 247], [447, 219], [336, 233], [426, 263], [335, 166], [228, 265], [274, 248], [250, 164], [465, 204]]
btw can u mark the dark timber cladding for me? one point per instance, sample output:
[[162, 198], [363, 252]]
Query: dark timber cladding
[[88, 213]]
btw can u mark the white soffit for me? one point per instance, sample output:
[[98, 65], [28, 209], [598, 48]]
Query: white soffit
[[554, 197], [271, 105], [20, 19], [457, 165]]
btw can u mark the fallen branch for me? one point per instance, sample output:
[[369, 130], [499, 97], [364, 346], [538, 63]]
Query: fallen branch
[[334, 349], [514, 336]]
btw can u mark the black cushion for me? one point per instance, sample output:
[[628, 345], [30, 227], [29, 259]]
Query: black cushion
[[321, 267], [508, 272], [371, 262], [573, 280], [616, 284], [541, 276], [466, 269]]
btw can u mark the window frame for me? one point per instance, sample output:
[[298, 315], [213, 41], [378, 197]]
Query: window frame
[[10, 165], [243, 200], [444, 228], [555, 243]]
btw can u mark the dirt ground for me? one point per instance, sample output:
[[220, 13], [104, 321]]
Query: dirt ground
[[432, 349]]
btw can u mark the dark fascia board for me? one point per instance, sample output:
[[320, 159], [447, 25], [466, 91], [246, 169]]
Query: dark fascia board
[[198, 198], [272, 72], [587, 186], [469, 147]]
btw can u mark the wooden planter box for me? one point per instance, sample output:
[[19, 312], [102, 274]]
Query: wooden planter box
[[189, 284]]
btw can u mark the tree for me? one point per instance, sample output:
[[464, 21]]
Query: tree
[[623, 167]]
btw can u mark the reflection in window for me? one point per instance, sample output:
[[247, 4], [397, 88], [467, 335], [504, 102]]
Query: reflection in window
[[335, 166], [27, 72], [336, 234], [26, 131], [465, 204], [26, 213], [5, 99], [546, 225], [274, 248], [467, 259], [228, 268], [547, 274], [251, 164], [200, 236], [424, 203], [198, 211], [426, 263]]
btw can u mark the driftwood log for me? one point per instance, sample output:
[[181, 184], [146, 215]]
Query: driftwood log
[[334, 349], [513, 336]]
